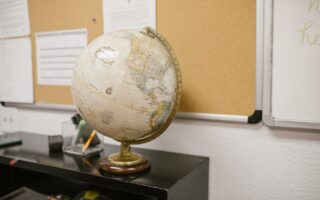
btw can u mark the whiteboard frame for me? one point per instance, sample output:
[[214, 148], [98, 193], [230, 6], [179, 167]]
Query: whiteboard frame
[[267, 74], [179, 115]]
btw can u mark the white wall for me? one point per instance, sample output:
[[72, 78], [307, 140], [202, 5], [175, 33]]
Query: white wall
[[0, 119], [247, 162]]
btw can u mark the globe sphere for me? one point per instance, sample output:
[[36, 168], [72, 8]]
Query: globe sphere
[[127, 85]]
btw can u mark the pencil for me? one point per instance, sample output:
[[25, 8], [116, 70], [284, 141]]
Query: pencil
[[88, 142]]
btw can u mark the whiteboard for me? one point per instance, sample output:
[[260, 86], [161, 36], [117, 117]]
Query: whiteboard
[[292, 63]]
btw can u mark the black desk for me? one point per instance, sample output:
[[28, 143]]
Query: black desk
[[172, 176]]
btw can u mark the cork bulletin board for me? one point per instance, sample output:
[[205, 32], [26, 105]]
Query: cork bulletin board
[[215, 42]]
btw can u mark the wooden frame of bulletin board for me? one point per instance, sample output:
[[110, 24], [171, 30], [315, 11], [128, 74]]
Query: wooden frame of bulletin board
[[215, 42]]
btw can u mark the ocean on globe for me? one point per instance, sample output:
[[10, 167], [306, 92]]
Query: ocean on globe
[[127, 84]]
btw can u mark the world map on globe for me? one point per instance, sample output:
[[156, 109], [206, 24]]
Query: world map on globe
[[127, 84]]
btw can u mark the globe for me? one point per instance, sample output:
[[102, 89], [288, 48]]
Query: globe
[[127, 86]]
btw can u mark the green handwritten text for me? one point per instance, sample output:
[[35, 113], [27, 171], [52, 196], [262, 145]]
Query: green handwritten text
[[307, 36], [314, 5]]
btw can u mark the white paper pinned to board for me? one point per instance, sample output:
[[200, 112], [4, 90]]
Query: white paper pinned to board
[[14, 18], [128, 14], [57, 53], [16, 79]]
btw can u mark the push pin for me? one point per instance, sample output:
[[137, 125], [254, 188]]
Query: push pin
[[13, 161]]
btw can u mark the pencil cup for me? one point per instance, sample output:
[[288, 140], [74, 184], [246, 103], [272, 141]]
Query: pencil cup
[[81, 140]]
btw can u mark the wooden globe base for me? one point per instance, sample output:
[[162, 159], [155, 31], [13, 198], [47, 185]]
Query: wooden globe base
[[106, 166], [124, 162]]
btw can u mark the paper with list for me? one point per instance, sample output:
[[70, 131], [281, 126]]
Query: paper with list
[[57, 53], [128, 14], [16, 77], [14, 18]]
